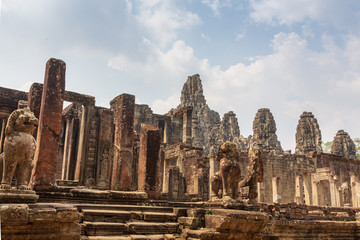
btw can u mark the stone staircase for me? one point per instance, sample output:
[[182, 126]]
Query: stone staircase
[[127, 222]]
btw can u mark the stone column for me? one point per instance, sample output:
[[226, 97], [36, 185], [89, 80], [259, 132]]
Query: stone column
[[354, 190], [43, 174], [307, 188], [314, 189], [2, 135], [275, 188], [214, 167], [187, 122], [105, 148], [67, 144], [34, 100], [299, 190], [334, 194], [149, 160], [84, 136], [123, 142]]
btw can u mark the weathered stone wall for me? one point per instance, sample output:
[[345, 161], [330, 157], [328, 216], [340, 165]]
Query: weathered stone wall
[[192, 166]]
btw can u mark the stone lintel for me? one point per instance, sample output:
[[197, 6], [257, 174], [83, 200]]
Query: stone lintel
[[79, 98], [9, 99]]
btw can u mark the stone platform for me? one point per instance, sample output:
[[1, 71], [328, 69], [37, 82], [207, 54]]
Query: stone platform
[[17, 196], [39, 222]]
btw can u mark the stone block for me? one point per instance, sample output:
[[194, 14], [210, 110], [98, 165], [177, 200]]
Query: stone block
[[14, 214], [42, 214], [67, 215]]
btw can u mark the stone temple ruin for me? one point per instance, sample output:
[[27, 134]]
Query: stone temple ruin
[[124, 172]]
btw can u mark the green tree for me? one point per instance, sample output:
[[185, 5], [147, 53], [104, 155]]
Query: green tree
[[326, 146], [357, 147]]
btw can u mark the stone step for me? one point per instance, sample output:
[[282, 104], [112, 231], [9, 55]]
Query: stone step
[[134, 237], [115, 216], [103, 228], [117, 229], [95, 215], [152, 228], [125, 207]]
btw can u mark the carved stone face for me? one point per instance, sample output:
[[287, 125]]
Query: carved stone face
[[26, 122]]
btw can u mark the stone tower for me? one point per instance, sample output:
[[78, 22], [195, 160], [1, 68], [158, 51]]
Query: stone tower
[[264, 129], [343, 145], [204, 119], [227, 130], [308, 134]]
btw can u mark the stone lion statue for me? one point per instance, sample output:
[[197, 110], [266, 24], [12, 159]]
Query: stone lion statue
[[228, 177], [19, 149], [254, 171]]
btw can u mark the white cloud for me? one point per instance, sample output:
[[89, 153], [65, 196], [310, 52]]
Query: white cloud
[[216, 5], [163, 19], [283, 11], [291, 80], [128, 6], [307, 32], [241, 35], [205, 37], [341, 14], [163, 106]]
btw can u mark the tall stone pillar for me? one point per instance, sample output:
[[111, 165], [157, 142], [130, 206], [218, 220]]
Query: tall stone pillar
[[84, 136], [34, 100], [2, 135], [124, 107], [187, 123], [275, 189], [43, 174], [314, 189], [307, 188], [149, 160], [105, 148], [299, 189], [67, 146], [354, 190], [334, 194], [214, 167]]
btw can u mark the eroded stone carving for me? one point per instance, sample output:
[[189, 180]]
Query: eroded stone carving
[[346, 193], [254, 171], [19, 148], [308, 134], [343, 145], [264, 128], [228, 177]]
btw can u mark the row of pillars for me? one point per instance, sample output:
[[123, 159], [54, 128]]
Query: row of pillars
[[48, 133]]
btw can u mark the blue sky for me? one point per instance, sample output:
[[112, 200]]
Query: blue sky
[[287, 55]]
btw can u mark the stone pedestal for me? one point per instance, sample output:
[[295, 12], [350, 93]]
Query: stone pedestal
[[43, 175], [18, 196], [149, 160], [124, 106]]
